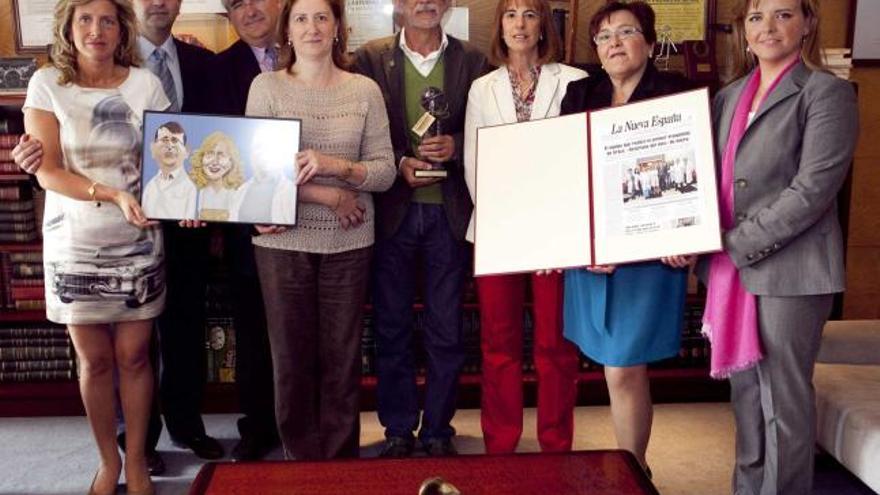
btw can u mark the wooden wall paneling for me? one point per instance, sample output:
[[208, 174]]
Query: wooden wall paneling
[[863, 245], [7, 34], [481, 14]]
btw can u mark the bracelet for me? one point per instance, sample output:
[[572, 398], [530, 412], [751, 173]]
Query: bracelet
[[92, 191], [338, 200]]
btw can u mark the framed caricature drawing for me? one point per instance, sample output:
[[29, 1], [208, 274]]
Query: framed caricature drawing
[[219, 168]]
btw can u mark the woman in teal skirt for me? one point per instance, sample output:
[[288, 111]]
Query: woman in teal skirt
[[627, 316]]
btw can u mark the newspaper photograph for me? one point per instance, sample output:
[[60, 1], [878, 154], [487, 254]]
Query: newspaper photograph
[[653, 170]]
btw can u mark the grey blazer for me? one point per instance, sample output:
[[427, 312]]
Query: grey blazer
[[789, 166]]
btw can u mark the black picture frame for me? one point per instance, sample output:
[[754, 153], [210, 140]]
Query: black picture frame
[[255, 184]]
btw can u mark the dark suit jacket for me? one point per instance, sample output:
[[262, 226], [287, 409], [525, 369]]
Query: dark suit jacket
[[196, 73], [790, 164], [236, 68], [383, 61], [595, 92]]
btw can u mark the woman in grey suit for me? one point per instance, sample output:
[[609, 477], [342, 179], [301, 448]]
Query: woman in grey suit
[[785, 131]]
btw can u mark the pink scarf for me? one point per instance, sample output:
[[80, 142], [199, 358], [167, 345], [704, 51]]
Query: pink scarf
[[730, 320]]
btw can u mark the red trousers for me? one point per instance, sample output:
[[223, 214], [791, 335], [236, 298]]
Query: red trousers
[[502, 299]]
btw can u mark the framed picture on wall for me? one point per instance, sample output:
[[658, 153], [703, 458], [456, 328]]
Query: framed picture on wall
[[33, 25], [680, 20], [865, 35]]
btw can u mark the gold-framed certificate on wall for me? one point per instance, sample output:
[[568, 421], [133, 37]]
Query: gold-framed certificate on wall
[[680, 20]]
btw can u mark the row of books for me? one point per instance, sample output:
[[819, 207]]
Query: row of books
[[838, 61], [44, 352], [21, 274], [19, 218], [220, 345], [7, 164], [36, 354]]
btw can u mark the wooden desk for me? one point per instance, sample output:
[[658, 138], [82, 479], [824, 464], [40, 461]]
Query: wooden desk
[[595, 472]]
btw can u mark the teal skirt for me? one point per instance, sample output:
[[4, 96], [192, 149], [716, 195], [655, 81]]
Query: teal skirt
[[631, 317]]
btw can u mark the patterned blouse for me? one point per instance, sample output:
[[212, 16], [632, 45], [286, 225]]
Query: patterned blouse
[[523, 104]]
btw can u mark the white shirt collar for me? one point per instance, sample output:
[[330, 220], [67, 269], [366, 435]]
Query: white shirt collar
[[146, 48], [423, 63]]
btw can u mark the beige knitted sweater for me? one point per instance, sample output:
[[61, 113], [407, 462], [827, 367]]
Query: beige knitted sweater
[[348, 121]]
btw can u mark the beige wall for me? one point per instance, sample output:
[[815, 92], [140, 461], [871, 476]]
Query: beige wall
[[862, 299]]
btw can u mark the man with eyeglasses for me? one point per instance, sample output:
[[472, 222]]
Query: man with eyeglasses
[[255, 52]]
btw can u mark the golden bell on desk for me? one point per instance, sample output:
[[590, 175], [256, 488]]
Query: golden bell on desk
[[438, 486]]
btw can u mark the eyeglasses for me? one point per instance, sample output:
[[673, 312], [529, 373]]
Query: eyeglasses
[[624, 33]]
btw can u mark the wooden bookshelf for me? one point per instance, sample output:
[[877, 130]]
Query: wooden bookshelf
[[12, 99], [23, 316], [667, 385], [20, 247]]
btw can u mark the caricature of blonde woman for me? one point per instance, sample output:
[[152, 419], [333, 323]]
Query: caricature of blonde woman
[[216, 171]]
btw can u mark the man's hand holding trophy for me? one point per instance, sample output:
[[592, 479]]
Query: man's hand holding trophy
[[435, 147]]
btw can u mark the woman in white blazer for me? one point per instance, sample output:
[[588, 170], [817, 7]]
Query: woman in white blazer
[[528, 85]]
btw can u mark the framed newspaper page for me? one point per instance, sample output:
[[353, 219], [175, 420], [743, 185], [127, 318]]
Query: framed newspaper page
[[219, 168], [624, 184], [653, 169]]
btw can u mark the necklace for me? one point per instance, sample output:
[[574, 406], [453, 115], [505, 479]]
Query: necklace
[[525, 87]]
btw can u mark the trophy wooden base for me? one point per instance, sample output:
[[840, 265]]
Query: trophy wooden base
[[431, 174]]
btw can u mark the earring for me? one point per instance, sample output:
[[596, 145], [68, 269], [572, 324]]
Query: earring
[[748, 49], [289, 43], [335, 40], [541, 37]]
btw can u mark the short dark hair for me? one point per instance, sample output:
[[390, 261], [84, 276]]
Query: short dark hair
[[172, 127], [640, 10], [549, 44]]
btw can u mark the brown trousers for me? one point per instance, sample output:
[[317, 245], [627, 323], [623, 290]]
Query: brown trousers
[[314, 306]]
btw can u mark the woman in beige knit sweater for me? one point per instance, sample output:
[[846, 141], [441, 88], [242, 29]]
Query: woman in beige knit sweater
[[314, 275]]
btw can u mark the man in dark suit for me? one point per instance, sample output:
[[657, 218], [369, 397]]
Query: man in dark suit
[[420, 218], [255, 51], [182, 324]]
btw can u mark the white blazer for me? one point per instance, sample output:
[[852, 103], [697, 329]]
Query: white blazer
[[490, 102]]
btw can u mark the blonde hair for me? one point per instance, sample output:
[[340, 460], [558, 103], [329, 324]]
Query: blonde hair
[[744, 61], [234, 178], [63, 53]]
